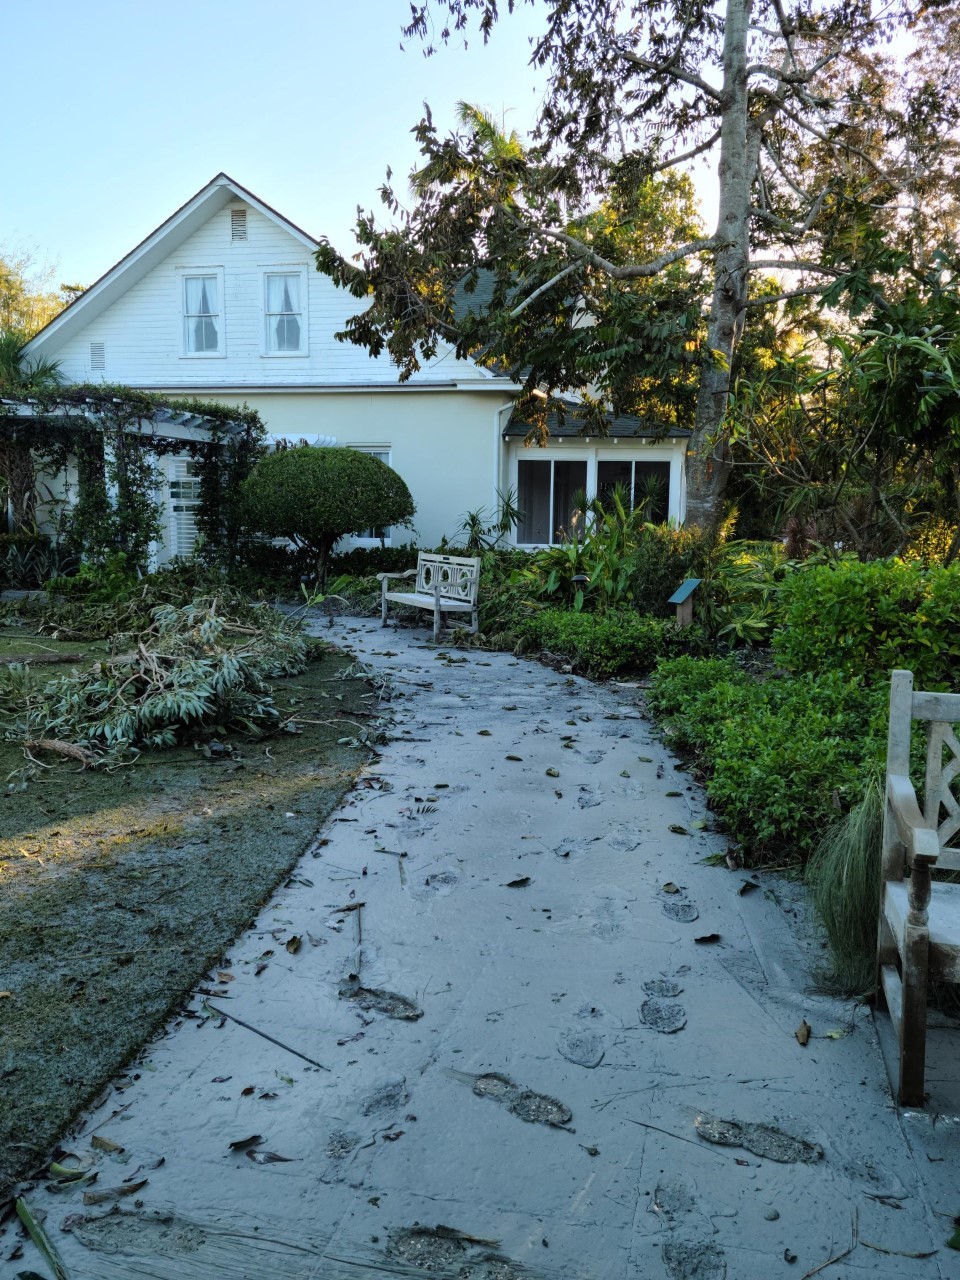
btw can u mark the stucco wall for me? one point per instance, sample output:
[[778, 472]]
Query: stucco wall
[[446, 445]]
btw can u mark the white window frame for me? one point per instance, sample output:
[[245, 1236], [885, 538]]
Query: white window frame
[[608, 451], [188, 273], [286, 269], [378, 450]]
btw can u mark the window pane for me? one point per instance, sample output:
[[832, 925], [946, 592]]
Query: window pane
[[283, 293], [533, 499], [202, 334], [610, 474], [569, 485], [284, 333], [651, 490]]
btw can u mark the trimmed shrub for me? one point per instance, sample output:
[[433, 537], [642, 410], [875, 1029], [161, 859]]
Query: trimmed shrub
[[316, 496], [866, 619], [780, 755], [601, 644]]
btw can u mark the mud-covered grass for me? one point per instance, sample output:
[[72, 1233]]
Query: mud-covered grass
[[118, 891]]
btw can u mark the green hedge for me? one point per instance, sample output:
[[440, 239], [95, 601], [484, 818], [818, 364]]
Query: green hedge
[[867, 619], [602, 644], [779, 754]]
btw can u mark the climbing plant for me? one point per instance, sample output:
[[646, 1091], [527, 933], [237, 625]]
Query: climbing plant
[[115, 436]]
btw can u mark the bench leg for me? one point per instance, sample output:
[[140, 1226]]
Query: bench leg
[[436, 621], [475, 624], [913, 1027], [383, 604]]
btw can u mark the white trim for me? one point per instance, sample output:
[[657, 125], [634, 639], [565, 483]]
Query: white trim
[[183, 274], [378, 450], [284, 269], [583, 450]]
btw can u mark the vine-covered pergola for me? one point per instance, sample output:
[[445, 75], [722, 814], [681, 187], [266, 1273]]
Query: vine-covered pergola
[[115, 436]]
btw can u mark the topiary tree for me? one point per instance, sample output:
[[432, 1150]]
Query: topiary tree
[[314, 496]]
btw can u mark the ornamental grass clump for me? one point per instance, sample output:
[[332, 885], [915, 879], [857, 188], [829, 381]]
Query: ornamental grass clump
[[194, 672]]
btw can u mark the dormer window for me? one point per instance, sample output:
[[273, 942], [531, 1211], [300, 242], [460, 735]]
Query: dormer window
[[284, 318], [202, 317]]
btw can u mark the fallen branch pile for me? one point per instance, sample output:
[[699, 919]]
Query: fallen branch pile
[[193, 673]]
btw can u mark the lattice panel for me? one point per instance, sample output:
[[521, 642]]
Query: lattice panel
[[941, 803], [456, 580]]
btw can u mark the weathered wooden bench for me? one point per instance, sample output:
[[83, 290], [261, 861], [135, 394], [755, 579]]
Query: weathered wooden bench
[[919, 931], [444, 584]]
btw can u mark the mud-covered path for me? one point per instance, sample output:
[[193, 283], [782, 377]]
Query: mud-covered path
[[552, 1032]]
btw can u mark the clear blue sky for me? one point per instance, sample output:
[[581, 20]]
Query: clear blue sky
[[120, 110]]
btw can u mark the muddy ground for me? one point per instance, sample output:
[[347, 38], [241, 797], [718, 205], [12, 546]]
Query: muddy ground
[[118, 891]]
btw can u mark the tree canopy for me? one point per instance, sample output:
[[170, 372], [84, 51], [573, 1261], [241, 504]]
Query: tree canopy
[[833, 133]]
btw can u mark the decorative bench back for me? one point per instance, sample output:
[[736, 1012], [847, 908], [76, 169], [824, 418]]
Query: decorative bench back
[[941, 806], [458, 576]]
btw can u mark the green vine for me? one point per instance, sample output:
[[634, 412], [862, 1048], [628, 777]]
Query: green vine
[[115, 436]]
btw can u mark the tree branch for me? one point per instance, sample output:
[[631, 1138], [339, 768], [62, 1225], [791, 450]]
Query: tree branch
[[810, 291], [678, 73], [569, 270], [687, 155]]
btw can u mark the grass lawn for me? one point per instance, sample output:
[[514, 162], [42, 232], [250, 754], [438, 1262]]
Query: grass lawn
[[118, 891]]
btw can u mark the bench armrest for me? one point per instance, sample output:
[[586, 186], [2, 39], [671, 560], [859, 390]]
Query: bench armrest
[[919, 838], [385, 577]]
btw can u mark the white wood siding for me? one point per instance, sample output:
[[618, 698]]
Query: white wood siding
[[141, 333]]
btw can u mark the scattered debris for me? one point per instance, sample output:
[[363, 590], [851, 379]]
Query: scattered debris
[[38, 1235], [219, 1013], [707, 938], [802, 1033], [662, 988], [521, 882]]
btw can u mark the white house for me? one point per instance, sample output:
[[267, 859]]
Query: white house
[[223, 301]]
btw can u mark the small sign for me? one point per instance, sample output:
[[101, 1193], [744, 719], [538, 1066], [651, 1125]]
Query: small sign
[[684, 591]]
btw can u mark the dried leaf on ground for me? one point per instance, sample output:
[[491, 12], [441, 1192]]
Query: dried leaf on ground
[[803, 1033]]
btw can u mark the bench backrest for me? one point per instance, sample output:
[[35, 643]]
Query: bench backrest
[[458, 576], [941, 714]]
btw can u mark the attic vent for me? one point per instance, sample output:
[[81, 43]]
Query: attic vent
[[98, 357], [238, 224]]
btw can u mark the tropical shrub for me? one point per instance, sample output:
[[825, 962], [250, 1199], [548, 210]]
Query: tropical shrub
[[316, 496], [779, 755], [867, 619]]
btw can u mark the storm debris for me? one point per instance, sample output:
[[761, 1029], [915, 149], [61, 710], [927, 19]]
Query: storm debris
[[374, 999]]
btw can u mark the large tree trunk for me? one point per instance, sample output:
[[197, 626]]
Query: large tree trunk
[[708, 464], [18, 478]]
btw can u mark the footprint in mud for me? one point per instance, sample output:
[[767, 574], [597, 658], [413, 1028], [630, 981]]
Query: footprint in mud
[[663, 988], [439, 1249], [663, 1016], [683, 911], [594, 757], [372, 999], [442, 882], [693, 1261], [575, 848], [341, 1144], [582, 1047], [535, 1108], [624, 840], [386, 1097], [588, 798], [762, 1139]]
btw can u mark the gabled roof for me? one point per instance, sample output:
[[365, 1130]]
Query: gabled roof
[[190, 217]]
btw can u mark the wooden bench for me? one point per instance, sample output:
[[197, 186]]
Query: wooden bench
[[919, 932], [444, 584]]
